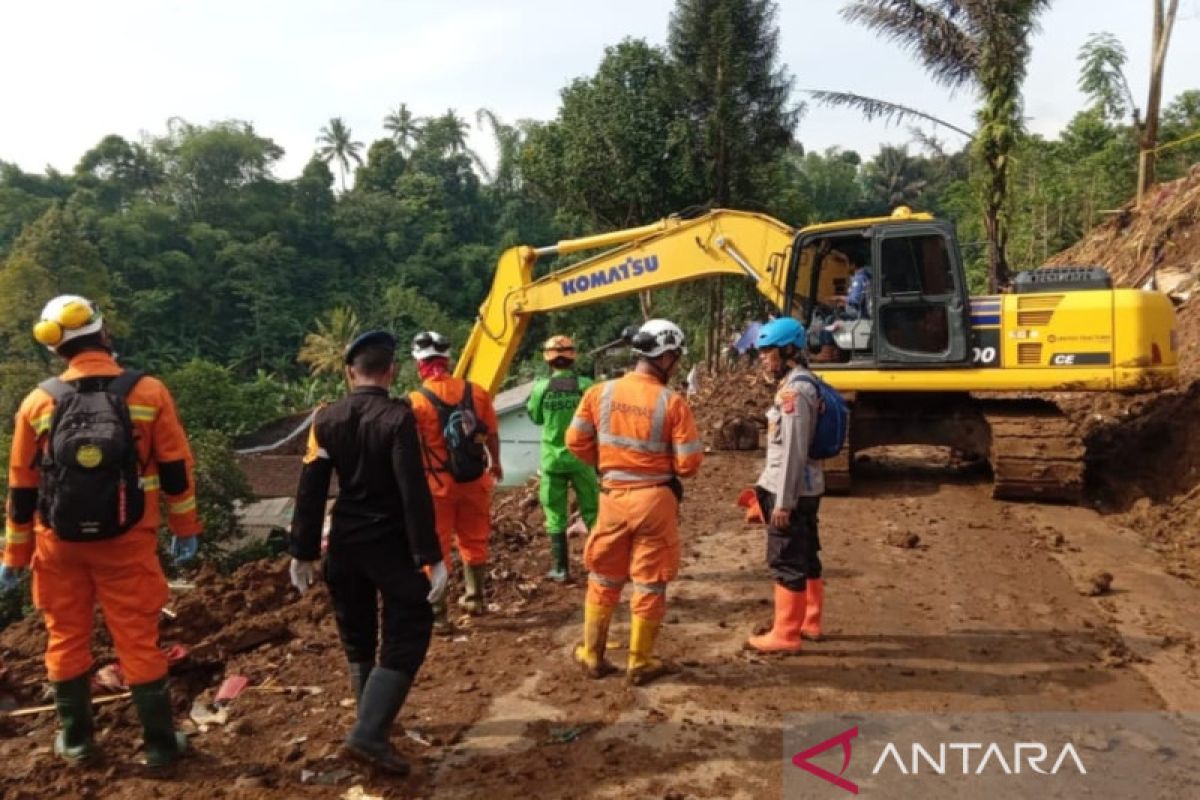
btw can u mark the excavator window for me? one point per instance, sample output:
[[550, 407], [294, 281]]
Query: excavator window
[[916, 278]]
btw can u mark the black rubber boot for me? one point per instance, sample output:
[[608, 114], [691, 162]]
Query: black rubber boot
[[369, 741], [73, 702], [559, 558], [474, 599], [359, 671], [442, 625], [163, 744]]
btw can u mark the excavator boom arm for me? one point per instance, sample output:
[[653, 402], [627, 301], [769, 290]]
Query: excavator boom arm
[[671, 251]]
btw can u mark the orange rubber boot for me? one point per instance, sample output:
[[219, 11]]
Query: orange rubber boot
[[815, 598], [784, 636]]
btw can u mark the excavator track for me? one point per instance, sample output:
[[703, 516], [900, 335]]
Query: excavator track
[[1036, 454]]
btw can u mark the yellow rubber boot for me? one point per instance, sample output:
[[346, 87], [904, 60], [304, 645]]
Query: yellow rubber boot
[[784, 636], [814, 600], [590, 654], [643, 665]]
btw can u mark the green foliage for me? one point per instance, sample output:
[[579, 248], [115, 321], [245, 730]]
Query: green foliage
[[1180, 120], [1102, 76], [210, 398], [616, 153], [50, 257], [220, 486]]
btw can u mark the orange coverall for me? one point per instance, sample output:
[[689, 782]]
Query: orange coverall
[[641, 435], [462, 511], [122, 573]]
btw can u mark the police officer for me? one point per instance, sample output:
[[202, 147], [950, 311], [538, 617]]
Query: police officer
[[382, 535], [789, 490]]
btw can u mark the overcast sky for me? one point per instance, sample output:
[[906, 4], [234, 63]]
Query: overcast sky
[[76, 71]]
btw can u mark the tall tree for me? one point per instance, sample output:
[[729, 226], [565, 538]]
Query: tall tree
[[337, 144], [509, 139], [1164, 22], [981, 44], [447, 133], [735, 92], [404, 128], [738, 100], [616, 152], [1102, 77]]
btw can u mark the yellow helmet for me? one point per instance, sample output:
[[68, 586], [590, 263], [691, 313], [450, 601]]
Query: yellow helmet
[[67, 317], [558, 346]]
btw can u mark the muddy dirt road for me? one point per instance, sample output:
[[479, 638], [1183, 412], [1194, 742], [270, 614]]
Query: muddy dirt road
[[987, 610]]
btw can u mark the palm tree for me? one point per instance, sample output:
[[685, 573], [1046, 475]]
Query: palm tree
[[324, 349], [455, 129], [404, 127], [337, 144], [509, 141], [893, 178], [980, 44]]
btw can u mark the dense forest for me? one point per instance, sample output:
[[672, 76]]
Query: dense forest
[[237, 285]]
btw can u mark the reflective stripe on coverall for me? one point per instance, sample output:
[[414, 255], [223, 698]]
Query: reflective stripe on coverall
[[463, 511], [122, 573], [641, 435], [553, 408]]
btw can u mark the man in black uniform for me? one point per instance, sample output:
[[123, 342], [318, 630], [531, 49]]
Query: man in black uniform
[[382, 535]]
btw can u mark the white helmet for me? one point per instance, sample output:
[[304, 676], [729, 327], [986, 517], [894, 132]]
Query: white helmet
[[430, 344], [67, 317], [657, 336]]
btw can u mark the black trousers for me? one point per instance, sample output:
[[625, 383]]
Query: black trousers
[[793, 553], [359, 576]]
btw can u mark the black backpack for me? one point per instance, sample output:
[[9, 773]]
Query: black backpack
[[90, 487], [465, 435]]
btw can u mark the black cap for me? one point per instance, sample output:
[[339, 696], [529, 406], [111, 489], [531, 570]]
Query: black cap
[[371, 338]]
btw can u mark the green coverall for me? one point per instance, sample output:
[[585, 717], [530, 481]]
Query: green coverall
[[552, 405]]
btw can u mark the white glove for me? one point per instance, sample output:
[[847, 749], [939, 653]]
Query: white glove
[[438, 578], [303, 574]]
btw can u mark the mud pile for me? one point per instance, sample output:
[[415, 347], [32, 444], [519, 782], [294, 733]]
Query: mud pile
[[281, 735], [1144, 450], [730, 407]]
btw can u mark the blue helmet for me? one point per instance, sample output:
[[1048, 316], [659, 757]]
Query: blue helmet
[[781, 332]]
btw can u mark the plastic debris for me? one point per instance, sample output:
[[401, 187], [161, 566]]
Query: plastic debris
[[230, 688], [566, 735]]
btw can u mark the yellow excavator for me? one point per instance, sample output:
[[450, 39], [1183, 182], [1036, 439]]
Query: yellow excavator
[[920, 360]]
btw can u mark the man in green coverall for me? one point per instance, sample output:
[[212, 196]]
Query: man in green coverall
[[552, 405]]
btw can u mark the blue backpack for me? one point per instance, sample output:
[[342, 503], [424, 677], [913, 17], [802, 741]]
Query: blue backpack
[[833, 420]]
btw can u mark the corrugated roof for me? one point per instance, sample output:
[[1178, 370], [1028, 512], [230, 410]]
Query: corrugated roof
[[514, 397]]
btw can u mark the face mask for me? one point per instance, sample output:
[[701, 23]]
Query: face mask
[[432, 368]]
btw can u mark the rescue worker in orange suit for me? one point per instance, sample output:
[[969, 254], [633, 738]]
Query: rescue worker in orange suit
[[643, 438], [381, 536], [463, 508], [87, 559], [789, 491]]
